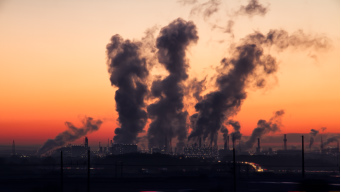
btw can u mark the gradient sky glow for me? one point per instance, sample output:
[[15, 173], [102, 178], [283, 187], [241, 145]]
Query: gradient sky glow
[[53, 62]]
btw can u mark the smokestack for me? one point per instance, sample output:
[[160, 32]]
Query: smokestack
[[258, 147], [228, 143], [285, 142], [86, 142], [321, 144], [13, 148]]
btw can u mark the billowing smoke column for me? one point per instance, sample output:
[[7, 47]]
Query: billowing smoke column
[[213, 110], [313, 133], [169, 118], [264, 127], [73, 133], [248, 65], [128, 72]]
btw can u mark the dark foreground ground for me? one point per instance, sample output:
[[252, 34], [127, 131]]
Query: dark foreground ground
[[169, 184], [157, 172]]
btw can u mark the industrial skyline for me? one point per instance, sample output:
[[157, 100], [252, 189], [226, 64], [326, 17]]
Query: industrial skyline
[[171, 96]]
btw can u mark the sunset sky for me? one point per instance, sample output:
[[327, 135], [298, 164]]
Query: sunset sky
[[53, 62]]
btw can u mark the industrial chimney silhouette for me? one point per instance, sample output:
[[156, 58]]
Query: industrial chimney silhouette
[[86, 142], [258, 148], [226, 144]]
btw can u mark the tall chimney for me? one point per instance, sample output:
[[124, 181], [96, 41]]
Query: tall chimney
[[86, 142], [13, 148], [285, 142], [258, 148], [228, 142]]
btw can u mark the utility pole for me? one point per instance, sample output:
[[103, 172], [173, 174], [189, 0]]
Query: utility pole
[[88, 170], [302, 156], [234, 171], [61, 170]]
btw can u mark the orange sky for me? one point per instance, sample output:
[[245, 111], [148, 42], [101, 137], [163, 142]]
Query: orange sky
[[53, 64]]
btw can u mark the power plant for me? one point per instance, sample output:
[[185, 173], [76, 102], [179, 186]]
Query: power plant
[[200, 152], [196, 150]]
